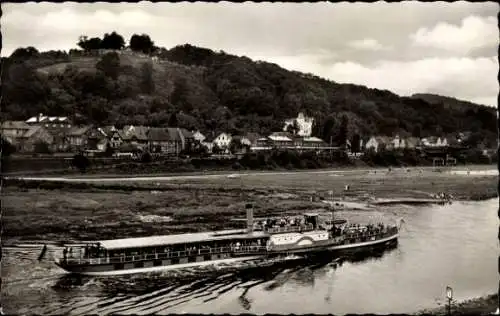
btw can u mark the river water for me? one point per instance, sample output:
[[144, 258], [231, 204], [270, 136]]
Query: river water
[[452, 245]]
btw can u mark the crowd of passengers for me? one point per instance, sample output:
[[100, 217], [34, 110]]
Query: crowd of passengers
[[295, 221], [93, 252]]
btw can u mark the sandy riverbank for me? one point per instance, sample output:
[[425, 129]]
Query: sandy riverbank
[[118, 208], [478, 306]]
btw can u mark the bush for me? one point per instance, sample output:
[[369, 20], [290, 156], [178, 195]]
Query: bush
[[80, 162], [237, 166], [146, 158]]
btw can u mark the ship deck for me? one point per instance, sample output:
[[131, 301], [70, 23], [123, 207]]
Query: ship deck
[[156, 241]]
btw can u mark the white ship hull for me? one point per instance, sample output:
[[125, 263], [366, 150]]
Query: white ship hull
[[162, 268]]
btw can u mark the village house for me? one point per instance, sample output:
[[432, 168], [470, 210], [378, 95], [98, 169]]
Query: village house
[[76, 137], [114, 138], [223, 140], [304, 124], [135, 136], [244, 143], [281, 140], [95, 140], [313, 142], [242, 140], [36, 137], [160, 141], [413, 142], [169, 140], [378, 143], [398, 143], [50, 121], [198, 136], [186, 138], [13, 131], [434, 141], [86, 138]]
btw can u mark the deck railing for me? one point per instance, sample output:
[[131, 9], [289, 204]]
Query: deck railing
[[289, 229], [215, 250], [165, 255]]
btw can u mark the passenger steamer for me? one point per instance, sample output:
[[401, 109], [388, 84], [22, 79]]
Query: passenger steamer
[[261, 240]]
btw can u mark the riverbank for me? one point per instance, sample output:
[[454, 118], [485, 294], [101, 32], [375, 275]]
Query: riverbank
[[62, 211], [486, 305]]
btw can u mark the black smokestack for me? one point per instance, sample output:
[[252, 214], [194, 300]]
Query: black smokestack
[[249, 208]]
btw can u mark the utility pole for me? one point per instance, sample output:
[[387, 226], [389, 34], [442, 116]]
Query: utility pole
[[449, 296]]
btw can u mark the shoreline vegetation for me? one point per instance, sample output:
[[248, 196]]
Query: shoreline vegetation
[[485, 305], [67, 210], [275, 160]]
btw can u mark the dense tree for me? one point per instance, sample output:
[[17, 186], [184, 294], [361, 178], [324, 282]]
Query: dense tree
[[340, 138], [24, 53], [89, 44], [6, 148], [355, 143], [113, 41], [147, 82], [109, 65], [141, 43], [80, 162], [173, 121], [214, 91], [293, 128]]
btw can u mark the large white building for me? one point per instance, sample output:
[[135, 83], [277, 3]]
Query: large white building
[[304, 123]]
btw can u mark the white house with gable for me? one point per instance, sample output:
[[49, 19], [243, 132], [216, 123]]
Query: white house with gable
[[198, 136], [304, 123], [223, 140]]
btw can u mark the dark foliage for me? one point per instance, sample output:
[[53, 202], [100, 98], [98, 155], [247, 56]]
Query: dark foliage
[[112, 41], [109, 65], [141, 43], [214, 91], [89, 44], [80, 162], [6, 148], [146, 158], [42, 148]]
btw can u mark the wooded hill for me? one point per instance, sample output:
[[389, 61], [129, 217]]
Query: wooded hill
[[198, 88]]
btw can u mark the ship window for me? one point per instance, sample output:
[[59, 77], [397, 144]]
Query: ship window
[[119, 266], [207, 258], [192, 259], [175, 260], [139, 265], [157, 263]]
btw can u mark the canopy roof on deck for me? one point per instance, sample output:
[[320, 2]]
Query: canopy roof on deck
[[166, 240]]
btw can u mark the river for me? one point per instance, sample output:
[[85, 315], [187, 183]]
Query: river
[[452, 245]]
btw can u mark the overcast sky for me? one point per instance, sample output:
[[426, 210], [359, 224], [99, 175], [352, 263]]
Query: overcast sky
[[407, 47]]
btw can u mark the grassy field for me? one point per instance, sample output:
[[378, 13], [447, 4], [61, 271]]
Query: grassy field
[[197, 204]]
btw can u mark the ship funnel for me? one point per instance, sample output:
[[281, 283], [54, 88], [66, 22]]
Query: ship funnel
[[249, 208]]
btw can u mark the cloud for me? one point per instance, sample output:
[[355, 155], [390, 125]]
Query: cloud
[[464, 78], [367, 44], [474, 32]]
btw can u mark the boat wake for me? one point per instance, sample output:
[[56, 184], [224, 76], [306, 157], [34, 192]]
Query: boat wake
[[172, 291]]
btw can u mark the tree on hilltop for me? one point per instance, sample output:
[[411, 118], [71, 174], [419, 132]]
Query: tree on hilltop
[[141, 43], [87, 44], [113, 41], [25, 53]]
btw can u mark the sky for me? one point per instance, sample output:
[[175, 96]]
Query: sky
[[443, 48]]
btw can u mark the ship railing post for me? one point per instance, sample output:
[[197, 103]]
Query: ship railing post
[[156, 255]]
